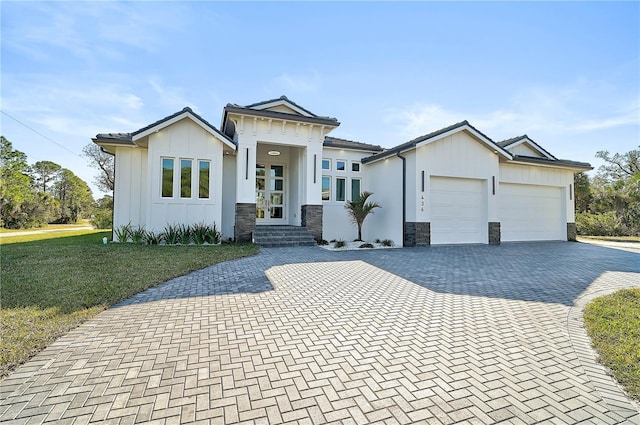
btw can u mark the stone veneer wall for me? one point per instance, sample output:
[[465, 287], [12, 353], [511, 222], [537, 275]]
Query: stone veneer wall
[[494, 233], [311, 218], [572, 233], [417, 234], [245, 222]]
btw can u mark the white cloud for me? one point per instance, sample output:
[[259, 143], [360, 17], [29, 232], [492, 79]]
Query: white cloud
[[565, 111]]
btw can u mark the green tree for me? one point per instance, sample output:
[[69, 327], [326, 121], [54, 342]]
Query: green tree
[[104, 162], [582, 189], [359, 209], [619, 166], [103, 213], [15, 189], [76, 200], [44, 172]]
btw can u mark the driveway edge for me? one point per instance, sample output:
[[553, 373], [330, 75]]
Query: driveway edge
[[600, 376]]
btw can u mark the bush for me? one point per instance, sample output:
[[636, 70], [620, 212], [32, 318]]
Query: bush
[[366, 245], [605, 224], [387, 242], [122, 233], [339, 244], [102, 219], [322, 242]]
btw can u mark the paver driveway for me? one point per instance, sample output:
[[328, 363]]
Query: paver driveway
[[302, 335]]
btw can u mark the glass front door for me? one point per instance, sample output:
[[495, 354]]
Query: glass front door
[[270, 194]]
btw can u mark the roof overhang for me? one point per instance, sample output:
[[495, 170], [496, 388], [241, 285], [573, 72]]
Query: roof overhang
[[185, 114], [281, 116], [553, 163], [526, 140]]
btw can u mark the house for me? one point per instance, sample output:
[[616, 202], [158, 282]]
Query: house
[[273, 163]]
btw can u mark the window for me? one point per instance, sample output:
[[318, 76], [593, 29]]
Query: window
[[203, 179], [326, 188], [167, 177], [341, 165], [355, 167], [185, 178], [341, 188], [355, 189], [326, 164]]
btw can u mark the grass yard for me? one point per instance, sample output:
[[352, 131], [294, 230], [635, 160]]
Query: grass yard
[[612, 238], [52, 282], [613, 323]]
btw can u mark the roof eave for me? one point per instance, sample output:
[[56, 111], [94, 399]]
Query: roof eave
[[330, 122], [556, 163]]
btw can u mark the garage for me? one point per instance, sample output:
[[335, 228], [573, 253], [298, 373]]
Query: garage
[[457, 211], [531, 213]]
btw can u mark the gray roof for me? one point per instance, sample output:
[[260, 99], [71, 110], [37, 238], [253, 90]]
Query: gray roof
[[412, 143], [508, 142], [250, 110], [128, 137], [334, 142], [283, 97], [538, 160]]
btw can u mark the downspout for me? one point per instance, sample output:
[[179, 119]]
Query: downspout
[[404, 194]]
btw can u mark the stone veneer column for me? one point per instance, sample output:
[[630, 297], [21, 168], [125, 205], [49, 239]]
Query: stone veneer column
[[417, 234], [311, 218], [245, 222], [494, 233], [572, 232]]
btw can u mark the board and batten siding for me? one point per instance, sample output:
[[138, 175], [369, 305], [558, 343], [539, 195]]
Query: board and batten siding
[[130, 195], [460, 156], [184, 140]]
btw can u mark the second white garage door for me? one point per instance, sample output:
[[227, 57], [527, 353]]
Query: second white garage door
[[531, 213], [457, 212]]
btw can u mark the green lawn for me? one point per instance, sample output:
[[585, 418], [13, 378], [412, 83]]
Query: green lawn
[[613, 323], [613, 238], [52, 282]]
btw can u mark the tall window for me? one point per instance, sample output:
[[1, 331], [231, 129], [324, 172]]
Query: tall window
[[326, 188], [203, 179], [167, 177], [341, 187], [185, 178], [355, 189]]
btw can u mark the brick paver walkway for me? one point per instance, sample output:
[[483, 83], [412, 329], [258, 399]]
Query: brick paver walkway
[[472, 334]]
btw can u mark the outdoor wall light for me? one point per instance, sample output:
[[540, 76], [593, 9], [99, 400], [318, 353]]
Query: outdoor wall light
[[274, 153]]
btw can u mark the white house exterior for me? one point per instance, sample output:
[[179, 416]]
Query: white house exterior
[[274, 164]]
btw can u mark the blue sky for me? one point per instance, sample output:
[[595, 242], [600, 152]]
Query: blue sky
[[566, 74]]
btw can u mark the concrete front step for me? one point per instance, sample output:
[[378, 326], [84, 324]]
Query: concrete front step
[[270, 236]]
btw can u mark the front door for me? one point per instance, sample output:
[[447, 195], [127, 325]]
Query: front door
[[270, 194]]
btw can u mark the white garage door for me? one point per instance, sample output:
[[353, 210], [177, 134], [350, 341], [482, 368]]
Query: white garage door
[[457, 211], [531, 213]]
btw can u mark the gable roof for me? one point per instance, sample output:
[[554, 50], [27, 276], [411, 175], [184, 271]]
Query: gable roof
[[260, 109], [463, 125], [515, 141], [131, 138], [334, 142], [282, 100]]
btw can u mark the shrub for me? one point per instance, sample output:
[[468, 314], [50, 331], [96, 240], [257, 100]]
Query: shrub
[[199, 232], [170, 234], [123, 233], [377, 241], [213, 236], [137, 235], [366, 245], [184, 236], [387, 242], [605, 224], [322, 242], [102, 219], [151, 238], [339, 244]]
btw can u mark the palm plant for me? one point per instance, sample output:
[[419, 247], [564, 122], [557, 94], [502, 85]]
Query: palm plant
[[359, 209]]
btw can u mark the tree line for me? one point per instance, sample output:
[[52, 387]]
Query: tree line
[[42, 193], [608, 204]]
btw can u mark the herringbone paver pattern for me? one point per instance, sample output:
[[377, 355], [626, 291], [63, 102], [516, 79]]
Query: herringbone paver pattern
[[470, 334]]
